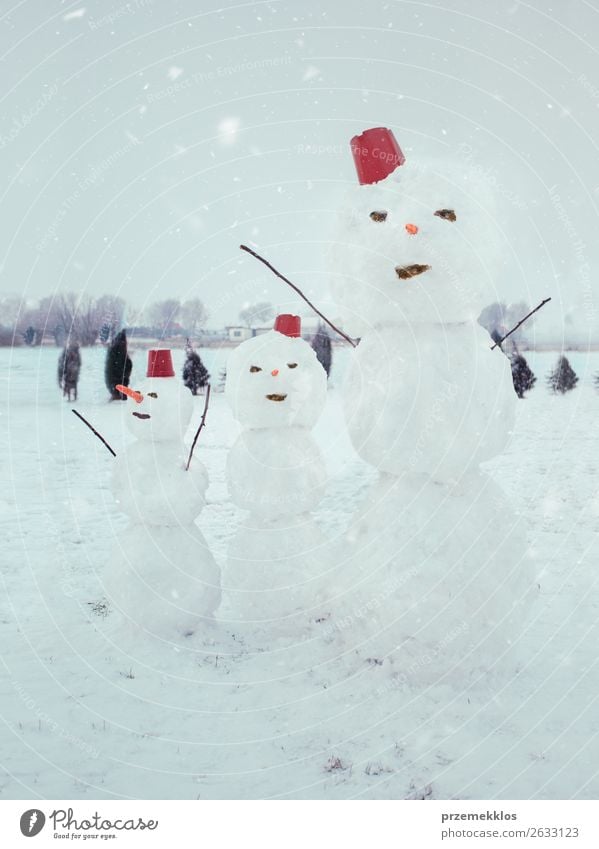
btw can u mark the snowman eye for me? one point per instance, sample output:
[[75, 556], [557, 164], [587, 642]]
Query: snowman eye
[[446, 214], [379, 215], [151, 394], [291, 365], [255, 368]]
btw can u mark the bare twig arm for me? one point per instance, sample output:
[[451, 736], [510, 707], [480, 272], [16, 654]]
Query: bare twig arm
[[198, 431], [300, 293], [521, 322], [94, 431]]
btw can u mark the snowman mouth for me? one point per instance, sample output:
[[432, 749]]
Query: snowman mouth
[[404, 272], [276, 397], [141, 415]]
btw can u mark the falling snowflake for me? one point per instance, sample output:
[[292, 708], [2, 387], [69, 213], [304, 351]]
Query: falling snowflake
[[228, 130], [76, 13], [310, 73]]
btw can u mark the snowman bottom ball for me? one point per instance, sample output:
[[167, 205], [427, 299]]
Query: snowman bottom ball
[[163, 580]]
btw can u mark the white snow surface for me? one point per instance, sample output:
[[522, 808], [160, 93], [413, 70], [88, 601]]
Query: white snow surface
[[92, 710]]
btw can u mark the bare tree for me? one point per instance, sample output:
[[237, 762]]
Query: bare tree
[[513, 314], [493, 318], [12, 308], [30, 326], [48, 320], [67, 316], [111, 311], [87, 321], [252, 313], [194, 315], [65, 309], [163, 314], [78, 316], [135, 315], [497, 318]]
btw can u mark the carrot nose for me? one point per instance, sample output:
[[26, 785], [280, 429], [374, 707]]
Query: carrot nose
[[130, 393], [412, 229], [275, 372]]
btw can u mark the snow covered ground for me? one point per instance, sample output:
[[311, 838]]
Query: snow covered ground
[[90, 712]]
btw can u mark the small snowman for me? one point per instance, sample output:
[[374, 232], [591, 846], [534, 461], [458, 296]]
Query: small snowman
[[436, 556], [162, 576], [277, 390]]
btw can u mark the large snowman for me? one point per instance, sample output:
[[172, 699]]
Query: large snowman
[[276, 388], [162, 576], [433, 573]]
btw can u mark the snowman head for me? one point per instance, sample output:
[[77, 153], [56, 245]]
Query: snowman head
[[159, 409], [275, 379], [415, 243]]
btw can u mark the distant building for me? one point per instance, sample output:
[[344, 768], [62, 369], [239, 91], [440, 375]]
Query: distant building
[[237, 333], [209, 335]]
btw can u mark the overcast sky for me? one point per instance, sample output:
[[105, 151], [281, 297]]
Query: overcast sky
[[143, 141]]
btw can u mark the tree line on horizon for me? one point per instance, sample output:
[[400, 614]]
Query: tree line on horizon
[[81, 321], [88, 319], [68, 317]]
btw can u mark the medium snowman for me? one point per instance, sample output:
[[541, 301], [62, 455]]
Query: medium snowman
[[436, 555], [277, 389], [162, 576]]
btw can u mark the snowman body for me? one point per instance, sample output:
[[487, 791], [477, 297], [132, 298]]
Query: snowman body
[[162, 576], [277, 389], [435, 554], [429, 398]]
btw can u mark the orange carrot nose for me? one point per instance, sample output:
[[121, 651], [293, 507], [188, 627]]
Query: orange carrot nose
[[412, 229], [275, 372], [130, 393]]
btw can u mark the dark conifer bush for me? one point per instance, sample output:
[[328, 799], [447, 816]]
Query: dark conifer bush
[[118, 366], [522, 375], [563, 377], [195, 373], [322, 346]]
